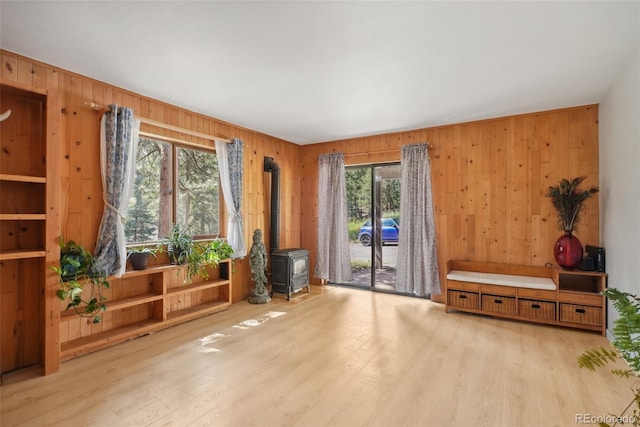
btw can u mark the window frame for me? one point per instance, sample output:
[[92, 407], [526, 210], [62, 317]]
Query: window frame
[[174, 146]]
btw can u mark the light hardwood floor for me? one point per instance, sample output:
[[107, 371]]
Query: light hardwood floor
[[340, 357]]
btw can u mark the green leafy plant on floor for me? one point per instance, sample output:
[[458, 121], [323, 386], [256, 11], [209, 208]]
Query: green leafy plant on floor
[[76, 273], [626, 330]]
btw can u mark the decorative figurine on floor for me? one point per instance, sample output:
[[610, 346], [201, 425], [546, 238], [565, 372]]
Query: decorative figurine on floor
[[258, 259]]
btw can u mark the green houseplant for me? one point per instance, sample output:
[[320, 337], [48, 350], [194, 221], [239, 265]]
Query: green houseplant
[[627, 344], [139, 256], [194, 256], [180, 244], [77, 271]]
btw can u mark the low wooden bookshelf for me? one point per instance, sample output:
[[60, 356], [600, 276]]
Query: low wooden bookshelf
[[145, 301]]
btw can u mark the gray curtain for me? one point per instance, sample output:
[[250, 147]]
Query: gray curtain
[[417, 269], [333, 258], [231, 167], [118, 142]]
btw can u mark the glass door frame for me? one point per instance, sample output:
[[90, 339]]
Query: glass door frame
[[375, 214]]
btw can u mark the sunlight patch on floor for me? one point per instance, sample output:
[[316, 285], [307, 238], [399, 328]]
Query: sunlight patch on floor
[[207, 343]]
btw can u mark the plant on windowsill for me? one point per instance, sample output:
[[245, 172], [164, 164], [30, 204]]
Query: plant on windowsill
[[139, 256], [180, 244], [627, 343], [75, 272], [194, 256]]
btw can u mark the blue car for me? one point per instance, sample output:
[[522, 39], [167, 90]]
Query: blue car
[[390, 231]]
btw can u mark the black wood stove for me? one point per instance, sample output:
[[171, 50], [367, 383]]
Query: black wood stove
[[289, 271]]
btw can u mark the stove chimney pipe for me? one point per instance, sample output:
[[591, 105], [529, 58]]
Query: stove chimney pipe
[[271, 166]]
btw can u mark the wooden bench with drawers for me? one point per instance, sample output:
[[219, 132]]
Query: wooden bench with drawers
[[536, 294]]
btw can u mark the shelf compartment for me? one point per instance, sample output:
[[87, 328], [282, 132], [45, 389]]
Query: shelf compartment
[[21, 197], [581, 282], [22, 254], [23, 178], [84, 345], [197, 311], [20, 235], [197, 286], [120, 303]]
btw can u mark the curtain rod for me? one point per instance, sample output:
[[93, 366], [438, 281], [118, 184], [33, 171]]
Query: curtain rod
[[395, 150], [98, 107], [176, 140]]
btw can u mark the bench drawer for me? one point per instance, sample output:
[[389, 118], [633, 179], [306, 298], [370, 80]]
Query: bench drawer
[[463, 286], [506, 291], [532, 309], [499, 304], [537, 294], [580, 298], [463, 299], [583, 314]]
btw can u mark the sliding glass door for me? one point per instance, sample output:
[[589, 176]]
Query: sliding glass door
[[373, 201]]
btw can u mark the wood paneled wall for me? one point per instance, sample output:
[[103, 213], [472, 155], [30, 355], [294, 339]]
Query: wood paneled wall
[[81, 202], [489, 181], [489, 177]]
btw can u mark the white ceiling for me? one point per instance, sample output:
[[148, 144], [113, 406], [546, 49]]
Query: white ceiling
[[319, 71]]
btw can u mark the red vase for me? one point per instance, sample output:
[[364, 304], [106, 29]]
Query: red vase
[[568, 251]]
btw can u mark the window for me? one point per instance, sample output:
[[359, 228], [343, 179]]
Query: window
[[198, 191], [162, 167]]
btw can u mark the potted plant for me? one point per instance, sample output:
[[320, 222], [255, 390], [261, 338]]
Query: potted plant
[[568, 199], [211, 253], [626, 330], [77, 270], [139, 256], [184, 250], [180, 244]]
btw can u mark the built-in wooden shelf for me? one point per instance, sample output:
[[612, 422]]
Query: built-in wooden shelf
[[150, 270], [148, 310], [96, 341], [197, 311], [120, 304], [197, 286], [23, 178], [22, 254], [22, 217], [30, 190]]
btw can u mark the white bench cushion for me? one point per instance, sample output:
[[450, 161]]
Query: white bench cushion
[[502, 279]]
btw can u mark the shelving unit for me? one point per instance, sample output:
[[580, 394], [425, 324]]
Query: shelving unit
[[144, 301], [29, 228]]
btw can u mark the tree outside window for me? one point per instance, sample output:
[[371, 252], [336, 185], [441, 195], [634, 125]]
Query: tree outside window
[[153, 208]]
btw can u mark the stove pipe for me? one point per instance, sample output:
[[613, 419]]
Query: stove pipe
[[271, 166]]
